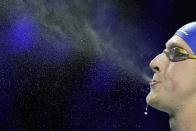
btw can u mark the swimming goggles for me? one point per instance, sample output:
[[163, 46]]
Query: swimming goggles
[[178, 54]]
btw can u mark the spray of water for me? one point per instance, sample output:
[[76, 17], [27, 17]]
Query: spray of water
[[92, 36], [71, 19], [146, 78]]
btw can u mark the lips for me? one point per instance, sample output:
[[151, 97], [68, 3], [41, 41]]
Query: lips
[[153, 83]]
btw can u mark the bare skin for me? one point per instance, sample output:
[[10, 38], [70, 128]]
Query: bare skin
[[176, 91]]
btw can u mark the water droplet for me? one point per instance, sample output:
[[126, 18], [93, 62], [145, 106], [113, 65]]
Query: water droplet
[[146, 112]]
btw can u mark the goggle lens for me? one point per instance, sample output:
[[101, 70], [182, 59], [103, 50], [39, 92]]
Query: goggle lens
[[177, 54]]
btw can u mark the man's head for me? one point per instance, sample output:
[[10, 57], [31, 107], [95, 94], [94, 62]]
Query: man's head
[[174, 80]]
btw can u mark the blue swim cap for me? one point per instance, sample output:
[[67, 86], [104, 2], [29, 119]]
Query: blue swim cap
[[188, 34]]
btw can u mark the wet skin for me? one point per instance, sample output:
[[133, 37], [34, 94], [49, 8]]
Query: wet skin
[[176, 81]]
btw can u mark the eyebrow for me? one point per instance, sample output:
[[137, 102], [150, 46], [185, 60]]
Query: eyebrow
[[172, 44]]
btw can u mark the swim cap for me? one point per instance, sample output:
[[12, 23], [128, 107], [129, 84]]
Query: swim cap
[[188, 34]]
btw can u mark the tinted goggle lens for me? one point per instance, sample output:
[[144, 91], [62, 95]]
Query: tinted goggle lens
[[176, 54]]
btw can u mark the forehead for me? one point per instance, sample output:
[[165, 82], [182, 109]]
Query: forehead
[[179, 42], [175, 41]]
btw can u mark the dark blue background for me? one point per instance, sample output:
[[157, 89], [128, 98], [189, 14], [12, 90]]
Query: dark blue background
[[76, 66]]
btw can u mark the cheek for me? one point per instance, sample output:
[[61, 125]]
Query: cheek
[[180, 77], [174, 76]]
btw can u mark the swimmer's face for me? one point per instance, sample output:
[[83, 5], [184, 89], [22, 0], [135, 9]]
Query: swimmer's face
[[177, 79]]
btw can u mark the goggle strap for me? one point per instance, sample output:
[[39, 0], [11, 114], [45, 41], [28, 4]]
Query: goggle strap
[[192, 56]]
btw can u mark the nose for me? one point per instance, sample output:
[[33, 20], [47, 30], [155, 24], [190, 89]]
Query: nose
[[157, 63]]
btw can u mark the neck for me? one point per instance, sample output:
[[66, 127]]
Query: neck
[[184, 119]]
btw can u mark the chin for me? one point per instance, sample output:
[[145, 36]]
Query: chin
[[156, 103]]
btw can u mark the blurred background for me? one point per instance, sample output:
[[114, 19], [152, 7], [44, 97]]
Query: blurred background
[[82, 65]]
